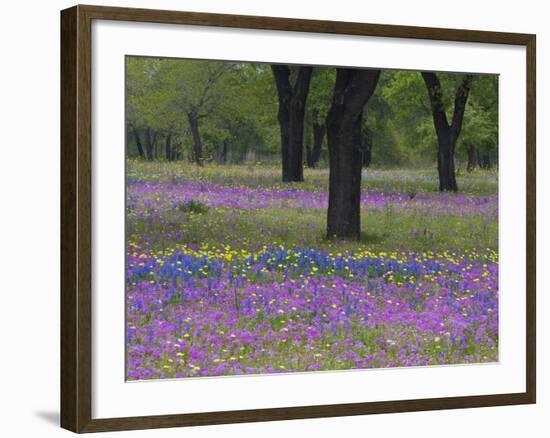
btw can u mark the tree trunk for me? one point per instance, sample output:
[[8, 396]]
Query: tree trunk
[[224, 152], [446, 165], [150, 139], [296, 131], [137, 139], [352, 90], [173, 150], [345, 157], [447, 134], [486, 161], [168, 146], [155, 144], [197, 144], [292, 104], [367, 146], [313, 154], [471, 150], [284, 126]]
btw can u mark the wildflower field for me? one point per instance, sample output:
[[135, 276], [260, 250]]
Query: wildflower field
[[229, 272]]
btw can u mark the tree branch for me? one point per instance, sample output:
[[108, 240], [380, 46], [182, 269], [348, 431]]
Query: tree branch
[[354, 87], [436, 99], [281, 73], [301, 87], [461, 98]]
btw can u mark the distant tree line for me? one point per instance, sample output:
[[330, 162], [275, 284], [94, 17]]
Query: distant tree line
[[233, 112]]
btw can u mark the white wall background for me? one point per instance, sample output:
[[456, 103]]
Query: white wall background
[[29, 215]]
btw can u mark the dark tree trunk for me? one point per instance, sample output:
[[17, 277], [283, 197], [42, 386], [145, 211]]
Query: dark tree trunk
[[173, 150], [446, 165], [367, 146], [168, 146], [485, 161], [137, 139], [197, 144], [345, 157], [150, 139], [155, 144], [447, 134], [314, 154], [224, 152], [292, 104], [352, 90], [471, 150], [367, 157]]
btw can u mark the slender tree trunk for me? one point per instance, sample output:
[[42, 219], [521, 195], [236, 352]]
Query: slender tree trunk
[[197, 144], [447, 134], [292, 104], [137, 139], [486, 161], [150, 139], [352, 90], [168, 146], [367, 156], [224, 152], [296, 146], [296, 134], [471, 150], [313, 154], [155, 144], [367, 146], [175, 152], [284, 126]]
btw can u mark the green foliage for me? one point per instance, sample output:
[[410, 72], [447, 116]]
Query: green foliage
[[407, 133], [320, 93], [480, 127], [236, 104]]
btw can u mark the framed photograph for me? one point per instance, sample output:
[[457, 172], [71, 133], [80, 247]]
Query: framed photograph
[[270, 218]]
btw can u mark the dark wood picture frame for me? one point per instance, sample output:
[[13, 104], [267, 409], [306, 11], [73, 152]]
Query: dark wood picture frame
[[76, 218]]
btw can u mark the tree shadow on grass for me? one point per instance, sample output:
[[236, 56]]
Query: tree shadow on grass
[[365, 238]]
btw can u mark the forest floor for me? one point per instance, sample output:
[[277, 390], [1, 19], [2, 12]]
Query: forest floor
[[229, 272]]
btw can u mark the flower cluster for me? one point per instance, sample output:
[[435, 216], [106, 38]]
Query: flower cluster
[[209, 312], [144, 194]]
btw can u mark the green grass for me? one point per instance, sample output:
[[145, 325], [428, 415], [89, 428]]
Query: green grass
[[481, 182], [381, 230]]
